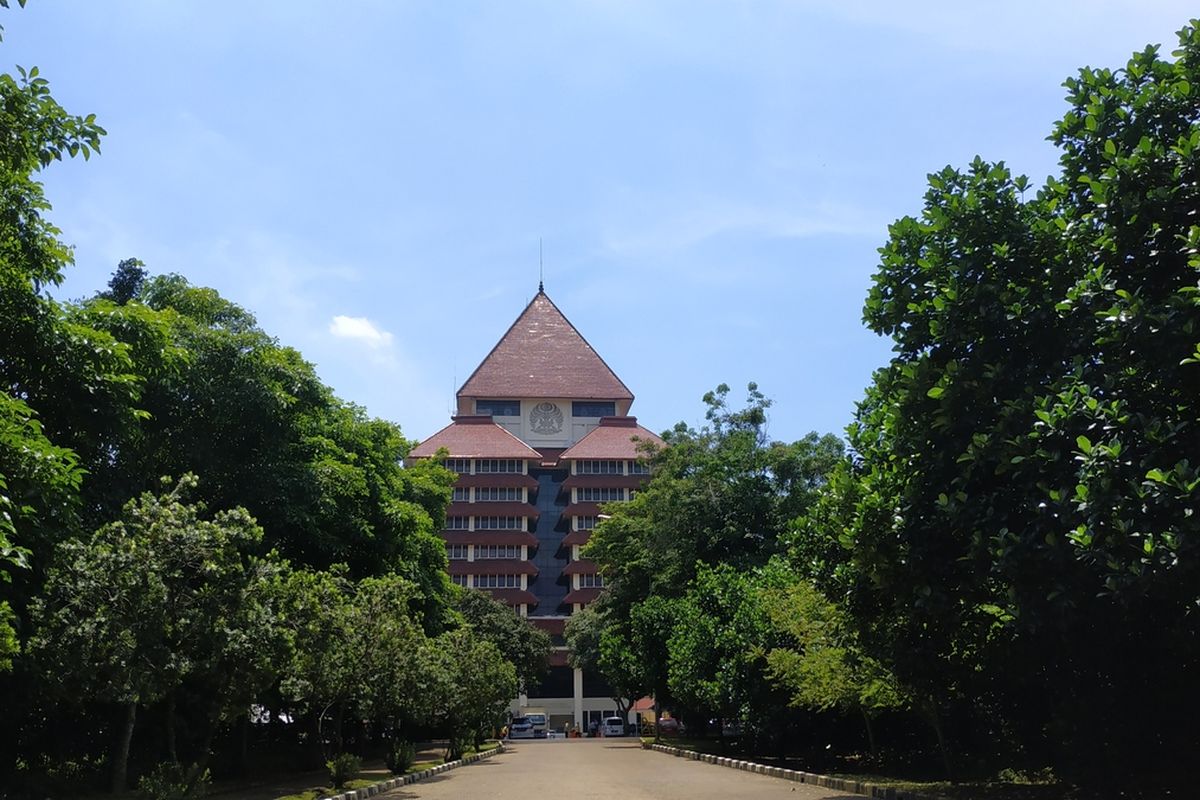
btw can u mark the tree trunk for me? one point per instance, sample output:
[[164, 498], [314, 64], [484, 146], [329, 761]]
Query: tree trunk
[[339, 715], [244, 744], [121, 753], [198, 768], [656, 713], [172, 751], [935, 720], [870, 733]]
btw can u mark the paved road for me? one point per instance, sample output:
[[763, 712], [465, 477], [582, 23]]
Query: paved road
[[601, 769]]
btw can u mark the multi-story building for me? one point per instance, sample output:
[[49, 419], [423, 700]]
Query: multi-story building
[[541, 440]]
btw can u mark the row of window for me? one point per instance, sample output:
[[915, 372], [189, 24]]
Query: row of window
[[498, 581], [514, 581], [458, 552], [462, 494], [486, 523], [600, 495], [485, 465], [512, 408], [609, 467]]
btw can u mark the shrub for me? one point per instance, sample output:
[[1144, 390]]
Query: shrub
[[173, 782], [342, 768], [400, 756]]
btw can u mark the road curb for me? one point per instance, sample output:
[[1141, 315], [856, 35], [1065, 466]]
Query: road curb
[[414, 777], [863, 788]]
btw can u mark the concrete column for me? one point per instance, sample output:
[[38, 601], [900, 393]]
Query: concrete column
[[579, 698]]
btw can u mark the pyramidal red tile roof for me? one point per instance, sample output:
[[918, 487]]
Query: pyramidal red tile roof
[[543, 355], [612, 440], [474, 437]]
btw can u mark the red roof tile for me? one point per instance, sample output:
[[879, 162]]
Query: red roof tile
[[513, 597], [499, 480], [492, 566], [490, 537], [600, 481], [475, 437], [543, 355], [613, 439], [551, 625], [582, 595], [488, 509], [577, 537], [581, 510], [584, 566]]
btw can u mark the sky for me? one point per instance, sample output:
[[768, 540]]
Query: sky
[[708, 181]]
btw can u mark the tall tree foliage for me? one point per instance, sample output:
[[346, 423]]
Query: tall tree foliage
[[162, 598], [1027, 474], [722, 494]]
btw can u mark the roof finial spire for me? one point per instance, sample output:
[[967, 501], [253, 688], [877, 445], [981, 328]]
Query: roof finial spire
[[541, 290]]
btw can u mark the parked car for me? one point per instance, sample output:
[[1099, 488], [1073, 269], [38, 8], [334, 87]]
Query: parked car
[[613, 726], [520, 728], [670, 725]]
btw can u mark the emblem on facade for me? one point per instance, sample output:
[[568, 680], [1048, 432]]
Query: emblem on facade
[[546, 418]]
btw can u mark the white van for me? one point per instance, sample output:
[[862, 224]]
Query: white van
[[613, 726], [541, 723]]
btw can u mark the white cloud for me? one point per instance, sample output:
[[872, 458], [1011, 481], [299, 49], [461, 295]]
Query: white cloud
[[362, 329]]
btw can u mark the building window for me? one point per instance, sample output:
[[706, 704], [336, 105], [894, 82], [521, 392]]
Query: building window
[[495, 495], [456, 523], [599, 495], [460, 465], [589, 408], [459, 580], [498, 581], [487, 551], [499, 465], [456, 552], [639, 468], [461, 494], [500, 523], [599, 467], [591, 581], [498, 408], [585, 523]]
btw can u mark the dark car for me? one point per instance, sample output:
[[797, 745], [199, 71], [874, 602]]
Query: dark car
[[670, 725]]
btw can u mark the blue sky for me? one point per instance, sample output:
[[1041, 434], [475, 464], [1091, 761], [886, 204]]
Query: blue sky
[[710, 179]]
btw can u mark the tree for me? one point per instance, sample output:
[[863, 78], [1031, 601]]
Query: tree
[[824, 666], [719, 495], [1026, 478], [126, 283], [160, 598], [471, 685], [716, 653], [525, 647]]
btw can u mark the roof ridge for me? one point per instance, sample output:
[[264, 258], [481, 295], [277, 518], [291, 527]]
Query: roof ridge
[[621, 391]]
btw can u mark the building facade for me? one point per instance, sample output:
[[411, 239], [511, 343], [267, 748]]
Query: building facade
[[541, 440]]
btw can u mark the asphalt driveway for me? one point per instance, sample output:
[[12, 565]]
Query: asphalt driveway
[[600, 769]]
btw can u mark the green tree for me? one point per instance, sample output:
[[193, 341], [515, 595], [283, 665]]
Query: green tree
[[823, 665], [717, 650], [524, 646], [470, 684], [719, 495], [1026, 481], [162, 597]]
